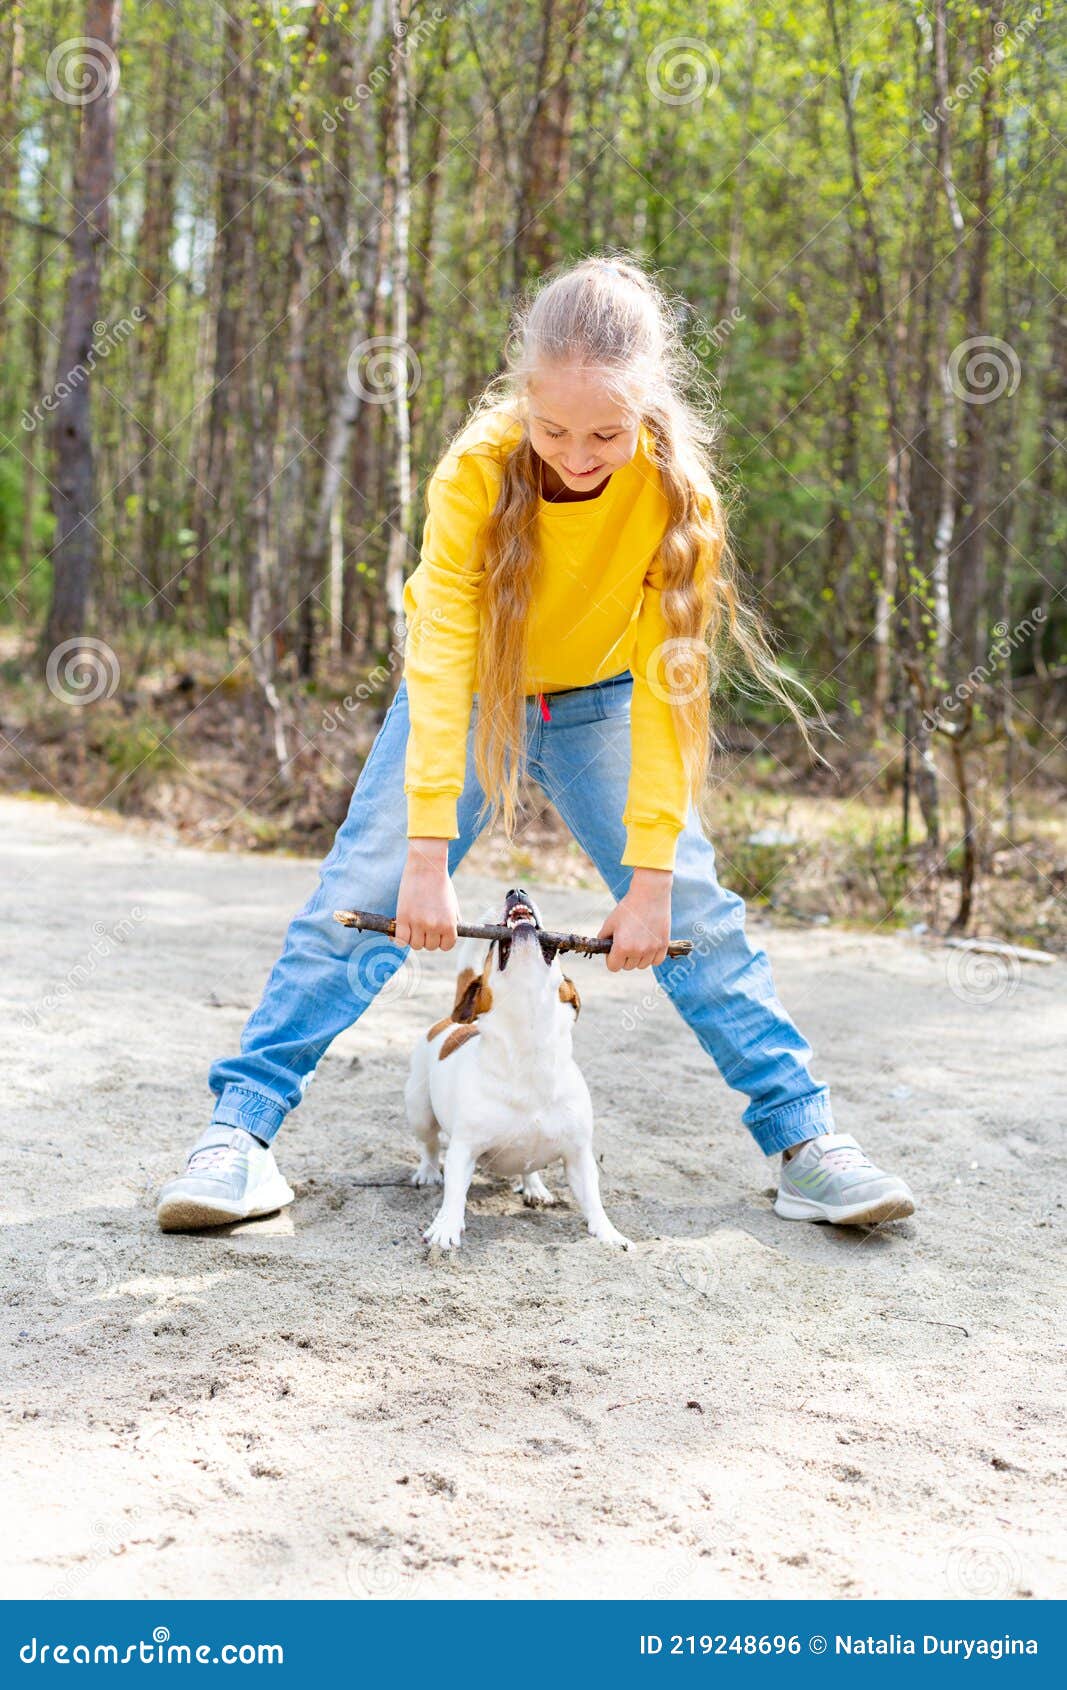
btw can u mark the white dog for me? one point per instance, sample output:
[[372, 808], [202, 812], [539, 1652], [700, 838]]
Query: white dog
[[497, 1081]]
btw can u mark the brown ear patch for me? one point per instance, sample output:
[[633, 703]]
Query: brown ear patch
[[439, 1025], [455, 1039], [463, 982], [473, 997], [568, 993]]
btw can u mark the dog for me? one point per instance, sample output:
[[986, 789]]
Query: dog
[[496, 1081]]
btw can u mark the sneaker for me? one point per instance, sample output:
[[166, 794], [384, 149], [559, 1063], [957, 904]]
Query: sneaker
[[831, 1179], [229, 1176]]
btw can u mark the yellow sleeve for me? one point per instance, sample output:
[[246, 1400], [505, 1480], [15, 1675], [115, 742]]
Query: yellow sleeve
[[658, 798], [440, 651]]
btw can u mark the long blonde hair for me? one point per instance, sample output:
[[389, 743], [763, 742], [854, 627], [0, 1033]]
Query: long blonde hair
[[610, 317]]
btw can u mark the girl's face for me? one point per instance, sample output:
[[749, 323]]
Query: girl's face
[[580, 431]]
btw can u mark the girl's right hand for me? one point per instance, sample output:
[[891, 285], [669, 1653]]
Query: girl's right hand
[[427, 911]]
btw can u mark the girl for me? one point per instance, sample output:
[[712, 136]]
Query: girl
[[574, 586]]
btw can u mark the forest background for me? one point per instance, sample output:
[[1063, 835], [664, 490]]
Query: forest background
[[257, 260]]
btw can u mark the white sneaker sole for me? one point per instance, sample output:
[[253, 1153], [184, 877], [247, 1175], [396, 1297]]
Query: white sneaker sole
[[896, 1207], [189, 1214]]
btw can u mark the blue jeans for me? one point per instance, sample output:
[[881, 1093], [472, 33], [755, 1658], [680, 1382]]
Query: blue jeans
[[327, 975]]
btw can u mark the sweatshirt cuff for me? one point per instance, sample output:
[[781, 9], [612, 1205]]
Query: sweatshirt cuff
[[650, 845], [432, 815]]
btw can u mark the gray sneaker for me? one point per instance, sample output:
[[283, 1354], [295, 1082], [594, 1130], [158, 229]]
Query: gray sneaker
[[830, 1179], [229, 1176]]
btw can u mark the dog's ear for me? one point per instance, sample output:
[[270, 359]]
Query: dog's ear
[[468, 992], [473, 997], [568, 993]]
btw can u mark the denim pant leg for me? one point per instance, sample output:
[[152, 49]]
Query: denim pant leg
[[327, 975], [723, 989]]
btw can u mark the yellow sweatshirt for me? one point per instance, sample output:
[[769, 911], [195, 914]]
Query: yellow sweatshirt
[[596, 613]]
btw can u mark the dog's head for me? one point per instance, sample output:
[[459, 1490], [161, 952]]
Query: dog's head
[[521, 966]]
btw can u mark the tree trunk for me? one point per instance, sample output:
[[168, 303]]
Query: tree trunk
[[400, 516], [969, 597], [229, 283], [946, 520], [74, 553]]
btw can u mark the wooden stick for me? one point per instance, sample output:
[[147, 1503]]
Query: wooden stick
[[561, 941]]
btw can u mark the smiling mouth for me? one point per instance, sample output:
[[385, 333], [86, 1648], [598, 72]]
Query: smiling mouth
[[584, 474]]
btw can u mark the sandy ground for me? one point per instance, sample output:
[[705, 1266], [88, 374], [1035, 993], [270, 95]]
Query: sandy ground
[[306, 1406]]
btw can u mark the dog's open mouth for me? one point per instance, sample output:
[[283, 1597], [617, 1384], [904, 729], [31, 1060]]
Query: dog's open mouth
[[521, 920]]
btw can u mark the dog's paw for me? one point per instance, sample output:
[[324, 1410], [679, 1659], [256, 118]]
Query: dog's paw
[[427, 1173], [535, 1193], [608, 1235], [442, 1235]]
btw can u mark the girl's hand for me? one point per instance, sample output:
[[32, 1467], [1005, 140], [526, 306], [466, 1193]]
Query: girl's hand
[[427, 911], [639, 926]]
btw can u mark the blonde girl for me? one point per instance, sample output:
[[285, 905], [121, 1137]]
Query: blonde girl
[[568, 620]]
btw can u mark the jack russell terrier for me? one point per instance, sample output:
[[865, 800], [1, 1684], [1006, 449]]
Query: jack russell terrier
[[497, 1083]]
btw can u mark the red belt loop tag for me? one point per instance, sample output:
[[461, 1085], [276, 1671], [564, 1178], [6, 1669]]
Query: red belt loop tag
[[545, 717]]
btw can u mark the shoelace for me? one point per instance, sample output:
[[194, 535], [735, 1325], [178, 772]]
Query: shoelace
[[213, 1156], [844, 1157]]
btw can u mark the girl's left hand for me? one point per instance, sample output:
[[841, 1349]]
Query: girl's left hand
[[639, 926]]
